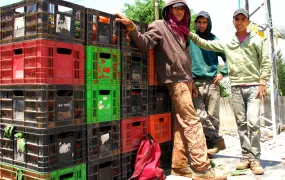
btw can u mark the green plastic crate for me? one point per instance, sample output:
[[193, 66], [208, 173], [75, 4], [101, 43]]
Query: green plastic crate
[[102, 103], [102, 65], [14, 172]]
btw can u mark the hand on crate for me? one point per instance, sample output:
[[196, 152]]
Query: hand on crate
[[127, 22]]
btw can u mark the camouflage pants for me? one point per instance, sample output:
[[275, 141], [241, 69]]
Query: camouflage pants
[[207, 106], [188, 131]]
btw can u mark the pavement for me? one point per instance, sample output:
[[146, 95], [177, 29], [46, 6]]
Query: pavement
[[274, 170]]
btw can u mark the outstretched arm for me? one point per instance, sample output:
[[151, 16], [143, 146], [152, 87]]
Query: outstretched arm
[[214, 45], [145, 41]]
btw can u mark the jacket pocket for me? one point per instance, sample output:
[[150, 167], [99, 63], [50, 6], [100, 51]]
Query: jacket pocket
[[176, 69]]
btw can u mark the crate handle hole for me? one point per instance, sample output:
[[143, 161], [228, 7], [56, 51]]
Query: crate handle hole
[[106, 164], [18, 51], [105, 55], [65, 135], [66, 176], [136, 91], [18, 93], [64, 51], [104, 92], [136, 123], [161, 120], [105, 129], [136, 59], [64, 93]]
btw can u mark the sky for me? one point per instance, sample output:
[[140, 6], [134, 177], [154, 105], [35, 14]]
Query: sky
[[221, 12]]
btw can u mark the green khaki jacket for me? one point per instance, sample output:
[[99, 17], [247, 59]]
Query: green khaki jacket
[[248, 62]]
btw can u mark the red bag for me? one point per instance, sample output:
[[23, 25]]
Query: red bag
[[147, 165]]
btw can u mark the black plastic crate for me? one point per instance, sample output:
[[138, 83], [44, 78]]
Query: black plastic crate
[[46, 19], [103, 140], [159, 100], [43, 152], [166, 155], [103, 169], [126, 41], [134, 101], [102, 29], [134, 68], [42, 107], [128, 164]]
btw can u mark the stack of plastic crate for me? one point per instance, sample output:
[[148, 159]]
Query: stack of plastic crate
[[42, 119], [134, 99], [159, 113], [102, 87]]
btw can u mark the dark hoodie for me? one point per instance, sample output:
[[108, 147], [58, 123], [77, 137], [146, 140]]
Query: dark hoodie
[[173, 61], [205, 63]]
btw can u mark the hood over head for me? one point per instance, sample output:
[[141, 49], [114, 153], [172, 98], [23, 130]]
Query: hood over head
[[172, 2], [205, 35], [179, 28]]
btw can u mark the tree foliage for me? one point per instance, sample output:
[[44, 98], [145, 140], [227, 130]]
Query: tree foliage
[[143, 11], [280, 65]]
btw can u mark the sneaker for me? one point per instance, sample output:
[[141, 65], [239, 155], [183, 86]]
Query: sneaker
[[243, 164], [220, 145], [208, 174], [256, 167], [186, 172]]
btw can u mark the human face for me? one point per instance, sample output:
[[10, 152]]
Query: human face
[[202, 24], [179, 12], [241, 22]]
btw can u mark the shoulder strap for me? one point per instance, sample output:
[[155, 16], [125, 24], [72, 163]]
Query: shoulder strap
[[142, 162]]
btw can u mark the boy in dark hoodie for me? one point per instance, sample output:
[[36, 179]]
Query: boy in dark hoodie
[[168, 38], [204, 69]]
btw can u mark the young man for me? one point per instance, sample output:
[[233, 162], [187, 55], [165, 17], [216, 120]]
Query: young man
[[249, 68], [168, 37], [204, 68]]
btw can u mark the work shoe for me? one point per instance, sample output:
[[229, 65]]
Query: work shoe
[[220, 145], [208, 174], [243, 164], [256, 167], [186, 172]]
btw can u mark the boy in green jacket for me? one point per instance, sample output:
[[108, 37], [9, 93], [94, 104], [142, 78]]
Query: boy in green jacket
[[249, 68]]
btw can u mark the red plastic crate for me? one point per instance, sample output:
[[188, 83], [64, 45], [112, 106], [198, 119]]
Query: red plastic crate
[[159, 127], [133, 131], [152, 73], [42, 62]]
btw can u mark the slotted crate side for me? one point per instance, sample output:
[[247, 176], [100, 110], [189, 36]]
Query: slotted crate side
[[108, 168], [126, 41], [159, 127], [128, 160], [102, 65], [49, 19], [102, 29], [134, 101], [42, 107], [9, 172], [102, 103], [152, 73], [166, 155], [134, 68], [103, 140], [43, 152], [159, 100], [42, 62], [133, 131]]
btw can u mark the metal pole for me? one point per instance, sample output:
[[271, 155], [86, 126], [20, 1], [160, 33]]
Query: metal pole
[[156, 9], [273, 81], [256, 10], [247, 5]]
